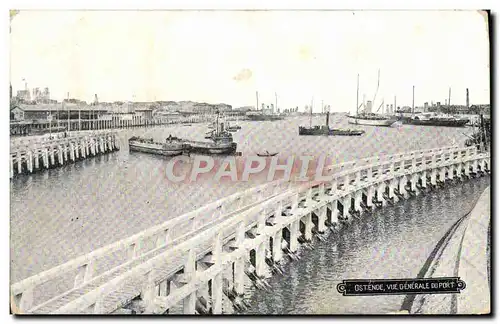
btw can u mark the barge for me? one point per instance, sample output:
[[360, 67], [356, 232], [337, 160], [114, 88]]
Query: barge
[[172, 146]]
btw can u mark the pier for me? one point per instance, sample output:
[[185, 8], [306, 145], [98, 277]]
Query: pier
[[197, 259], [35, 153]]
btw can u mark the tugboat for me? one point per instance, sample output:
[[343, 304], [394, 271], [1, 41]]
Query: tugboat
[[326, 130], [221, 142], [173, 146]]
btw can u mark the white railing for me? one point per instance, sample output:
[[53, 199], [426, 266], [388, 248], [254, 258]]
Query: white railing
[[250, 218], [188, 224], [16, 143]]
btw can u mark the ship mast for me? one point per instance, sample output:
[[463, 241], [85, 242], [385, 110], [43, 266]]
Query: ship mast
[[311, 114], [376, 91], [69, 128], [413, 102], [257, 96], [276, 102], [357, 96], [449, 99]]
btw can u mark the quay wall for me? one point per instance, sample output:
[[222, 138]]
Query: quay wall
[[463, 252]]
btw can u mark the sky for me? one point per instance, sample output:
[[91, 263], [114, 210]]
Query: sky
[[226, 56]]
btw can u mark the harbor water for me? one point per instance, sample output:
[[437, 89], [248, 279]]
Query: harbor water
[[66, 212], [390, 243]]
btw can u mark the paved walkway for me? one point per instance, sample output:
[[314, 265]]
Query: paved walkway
[[464, 253]]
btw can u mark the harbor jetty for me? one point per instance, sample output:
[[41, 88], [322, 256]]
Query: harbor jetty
[[201, 257], [35, 153]]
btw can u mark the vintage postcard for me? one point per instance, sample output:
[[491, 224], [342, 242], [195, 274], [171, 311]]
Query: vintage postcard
[[250, 162]]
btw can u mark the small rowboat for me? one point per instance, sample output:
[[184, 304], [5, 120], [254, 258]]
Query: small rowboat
[[267, 154]]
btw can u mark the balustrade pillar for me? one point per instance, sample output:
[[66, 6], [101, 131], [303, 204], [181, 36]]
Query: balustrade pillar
[[334, 212], [423, 177], [380, 192], [239, 264], [322, 219], [451, 172], [189, 302], [369, 174], [71, 151], [346, 203], [294, 232], [60, 155], [52, 156], [277, 251], [260, 259], [217, 294], [334, 185], [370, 192], [357, 200], [307, 220], [433, 177], [442, 174], [37, 158], [402, 186]]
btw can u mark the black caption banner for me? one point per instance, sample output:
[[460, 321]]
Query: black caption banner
[[365, 287]]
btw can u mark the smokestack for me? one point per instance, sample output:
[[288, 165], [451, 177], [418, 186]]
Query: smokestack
[[413, 101], [467, 97]]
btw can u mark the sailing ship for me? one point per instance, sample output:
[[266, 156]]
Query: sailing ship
[[171, 147], [367, 117], [263, 115]]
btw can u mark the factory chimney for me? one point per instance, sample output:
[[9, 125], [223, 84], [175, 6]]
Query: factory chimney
[[467, 97]]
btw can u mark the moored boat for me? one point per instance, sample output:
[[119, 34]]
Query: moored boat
[[267, 154], [366, 117], [372, 120], [433, 119], [215, 147], [171, 147], [221, 141], [326, 130]]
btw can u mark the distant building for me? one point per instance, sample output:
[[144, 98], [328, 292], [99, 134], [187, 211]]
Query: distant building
[[43, 112], [23, 95]]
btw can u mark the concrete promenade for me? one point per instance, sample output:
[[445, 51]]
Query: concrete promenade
[[463, 252]]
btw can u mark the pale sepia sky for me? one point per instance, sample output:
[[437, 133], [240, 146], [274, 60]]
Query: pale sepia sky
[[224, 56]]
